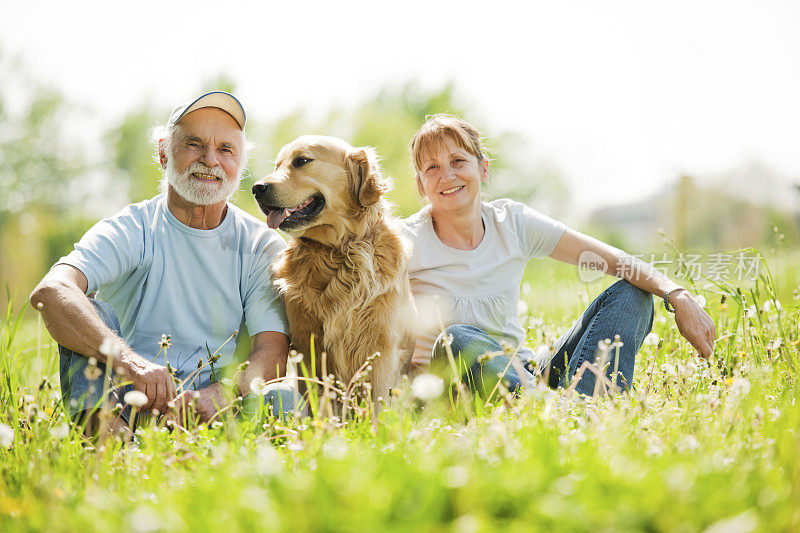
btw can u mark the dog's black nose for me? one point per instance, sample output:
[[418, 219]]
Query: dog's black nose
[[260, 188]]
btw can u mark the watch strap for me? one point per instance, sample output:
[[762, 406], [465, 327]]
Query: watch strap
[[667, 305]]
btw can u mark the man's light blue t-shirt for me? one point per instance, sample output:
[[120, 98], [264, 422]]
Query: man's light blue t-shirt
[[199, 286]]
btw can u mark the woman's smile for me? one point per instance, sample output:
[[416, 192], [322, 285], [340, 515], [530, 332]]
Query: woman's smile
[[452, 190]]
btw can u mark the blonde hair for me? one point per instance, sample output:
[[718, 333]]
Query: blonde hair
[[432, 134]]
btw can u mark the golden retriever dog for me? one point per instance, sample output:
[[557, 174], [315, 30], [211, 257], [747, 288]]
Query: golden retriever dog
[[344, 275]]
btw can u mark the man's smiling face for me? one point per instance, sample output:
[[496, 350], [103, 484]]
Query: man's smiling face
[[203, 163]]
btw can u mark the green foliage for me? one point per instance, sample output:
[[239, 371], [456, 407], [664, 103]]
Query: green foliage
[[699, 444], [42, 165], [387, 122], [132, 153]]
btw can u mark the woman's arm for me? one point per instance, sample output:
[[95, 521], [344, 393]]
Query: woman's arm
[[693, 322]]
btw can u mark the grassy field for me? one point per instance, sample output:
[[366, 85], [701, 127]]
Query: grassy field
[[697, 446]]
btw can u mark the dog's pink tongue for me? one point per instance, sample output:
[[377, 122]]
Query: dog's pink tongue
[[276, 216]]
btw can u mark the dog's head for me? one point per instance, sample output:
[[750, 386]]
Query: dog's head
[[320, 181]]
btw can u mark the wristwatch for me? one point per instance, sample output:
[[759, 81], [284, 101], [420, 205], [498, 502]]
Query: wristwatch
[[667, 305]]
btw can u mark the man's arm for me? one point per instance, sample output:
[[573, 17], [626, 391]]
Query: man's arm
[[268, 353], [72, 322], [693, 322]]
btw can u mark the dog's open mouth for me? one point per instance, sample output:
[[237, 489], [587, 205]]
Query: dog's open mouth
[[290, 217]]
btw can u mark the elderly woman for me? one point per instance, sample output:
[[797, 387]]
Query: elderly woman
[[467, 265]]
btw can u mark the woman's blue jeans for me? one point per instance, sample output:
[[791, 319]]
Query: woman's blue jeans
[[622, 310]]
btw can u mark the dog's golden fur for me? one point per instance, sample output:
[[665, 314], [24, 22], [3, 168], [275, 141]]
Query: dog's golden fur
[[344, 276]]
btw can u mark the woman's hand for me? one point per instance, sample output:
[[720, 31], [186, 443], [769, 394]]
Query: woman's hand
[[693, 322]]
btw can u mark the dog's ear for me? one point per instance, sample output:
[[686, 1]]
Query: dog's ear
[[366, 178]]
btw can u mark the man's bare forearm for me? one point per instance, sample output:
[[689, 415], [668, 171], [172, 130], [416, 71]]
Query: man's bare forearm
[[268, 353], [70, 317]]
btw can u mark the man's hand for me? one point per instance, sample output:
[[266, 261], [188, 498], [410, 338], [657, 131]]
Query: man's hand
[[694, 323], [150, 378], [207, 402]]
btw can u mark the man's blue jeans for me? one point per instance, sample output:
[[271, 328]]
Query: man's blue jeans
[[622, 310], [82, 395]]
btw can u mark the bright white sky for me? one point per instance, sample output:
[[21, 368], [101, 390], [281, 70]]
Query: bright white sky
[[624, 96]]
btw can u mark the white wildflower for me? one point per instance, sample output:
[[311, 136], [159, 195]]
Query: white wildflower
[[700, 300], [771, 305], [335, 448], [543, 354], [135, 398], [257, 385], [6, 436], [688, 443], [295, 446], [456, 477], [668, 369], [740, 386], [651, 339], [144, 519], [268, 461], [426, 387], [741, 523], [59, 431], [295, 357], [522, 307], [109, 348], [751, 311]]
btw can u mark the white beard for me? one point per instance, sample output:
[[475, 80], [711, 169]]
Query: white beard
[[198, 192]]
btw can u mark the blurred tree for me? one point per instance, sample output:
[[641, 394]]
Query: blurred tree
[[43, 175], [221, 82], [388, 120], [132, 154]]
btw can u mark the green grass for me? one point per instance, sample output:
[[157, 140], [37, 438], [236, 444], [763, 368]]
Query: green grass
[[698, 445]]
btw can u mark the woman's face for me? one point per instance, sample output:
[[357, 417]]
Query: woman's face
[[451, 178]]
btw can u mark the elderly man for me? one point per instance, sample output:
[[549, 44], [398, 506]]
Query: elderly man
[[185, 264]]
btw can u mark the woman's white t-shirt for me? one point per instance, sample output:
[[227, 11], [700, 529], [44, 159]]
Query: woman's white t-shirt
[[477, 287]]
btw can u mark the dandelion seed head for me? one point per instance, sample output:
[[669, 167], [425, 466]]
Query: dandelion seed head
[[59, 431], [257, 385], [456, 477], [135, 398], [335, 448], [295, 446], [109, 348], [268, 461], [740, 386], [426, 387], [651, 339], [6, 436], [699, 299], [92, 372]]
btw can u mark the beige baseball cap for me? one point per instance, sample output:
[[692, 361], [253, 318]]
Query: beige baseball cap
[[219, 99]]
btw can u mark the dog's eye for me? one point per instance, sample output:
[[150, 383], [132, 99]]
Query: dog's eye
[[298, 162]]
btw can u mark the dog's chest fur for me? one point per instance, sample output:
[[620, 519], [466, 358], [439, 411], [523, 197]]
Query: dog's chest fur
[[335, 293]]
